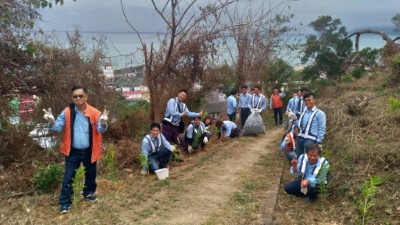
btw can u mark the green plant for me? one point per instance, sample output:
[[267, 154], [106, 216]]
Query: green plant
[[368, 192], [394, 103], [47, 178], [346, 78], [204, 115], [143, 161], [322, 183], [78, 185], [111, 166], [175, 154]]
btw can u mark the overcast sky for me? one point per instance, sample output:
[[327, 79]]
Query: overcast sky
[[106, 15]]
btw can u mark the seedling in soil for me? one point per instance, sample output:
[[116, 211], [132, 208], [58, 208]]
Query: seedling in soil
[[77, 185]]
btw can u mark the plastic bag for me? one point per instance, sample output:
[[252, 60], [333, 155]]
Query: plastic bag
[[254, 125]]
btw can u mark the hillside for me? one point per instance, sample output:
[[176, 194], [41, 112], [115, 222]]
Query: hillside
[[361, 142]]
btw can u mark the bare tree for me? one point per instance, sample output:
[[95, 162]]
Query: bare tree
[[185, 50], [391, 49], [257, 28]]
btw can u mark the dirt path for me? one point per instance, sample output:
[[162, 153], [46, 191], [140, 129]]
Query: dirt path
[[209, 187]]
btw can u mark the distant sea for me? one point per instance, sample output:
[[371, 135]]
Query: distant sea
[[123, 47]]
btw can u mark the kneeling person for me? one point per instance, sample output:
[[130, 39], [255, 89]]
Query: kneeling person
[[312, 171], [228, 129], [196, 135], [156, 148]]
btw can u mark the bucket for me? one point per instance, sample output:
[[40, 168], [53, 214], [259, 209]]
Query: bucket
[[162, 174]]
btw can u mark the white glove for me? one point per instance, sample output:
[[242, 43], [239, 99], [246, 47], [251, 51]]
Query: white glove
[[320, 146], [172, 149], [190, 149], [48, 115], [104, 117], [143, 172], [258, 111], [304, 190], [205, 140], [282, 89]]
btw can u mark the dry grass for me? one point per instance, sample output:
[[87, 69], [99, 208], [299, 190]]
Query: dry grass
[[357, 145]]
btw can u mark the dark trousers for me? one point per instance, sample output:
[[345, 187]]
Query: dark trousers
[[278, 111], [72, 162], [294, 187], [164, 156], [170, 132], [232, 117], [234, 133], [302, 144], [244, 114]]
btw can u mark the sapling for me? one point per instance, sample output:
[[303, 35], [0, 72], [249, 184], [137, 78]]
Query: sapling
[[322, 183], [77, 185], [143, 161], [111, 164], [368, 192]]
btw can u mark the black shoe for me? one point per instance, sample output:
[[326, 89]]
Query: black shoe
[[65, 208]]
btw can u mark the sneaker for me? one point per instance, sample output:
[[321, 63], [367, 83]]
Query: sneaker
[[65, 208], [91, 197]]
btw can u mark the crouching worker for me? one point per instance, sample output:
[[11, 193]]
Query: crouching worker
[[196, 135], [312, 172], [155, 148], [289, 144], [228, 129]]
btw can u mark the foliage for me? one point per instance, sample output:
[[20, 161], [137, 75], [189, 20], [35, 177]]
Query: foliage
[[346, 78], [47, 178], [144, 163], [369, 57], [77, 185], [111, 163], [279, 71], [396, 22], [368, 192], [395, 69], [394, 103], [323, 185], [327, 49], [357, 72], [175, 154]]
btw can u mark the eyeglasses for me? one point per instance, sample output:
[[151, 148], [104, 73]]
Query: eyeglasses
[[78, 96]]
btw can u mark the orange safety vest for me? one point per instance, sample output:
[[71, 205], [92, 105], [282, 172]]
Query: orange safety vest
[[94, 115], [276, 101], [291, 145]]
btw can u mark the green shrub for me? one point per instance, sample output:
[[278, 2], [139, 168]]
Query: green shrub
[[394, 103], [357, 73], [346, 78], [368, 192], [77, 185], [111, 166], [47, 178]]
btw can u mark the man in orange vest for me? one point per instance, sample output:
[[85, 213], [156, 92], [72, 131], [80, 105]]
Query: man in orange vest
[[275, 103], [83, 126]]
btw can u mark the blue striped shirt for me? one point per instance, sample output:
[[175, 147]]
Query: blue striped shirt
[[81, 128], [231, 105], [244, 100]]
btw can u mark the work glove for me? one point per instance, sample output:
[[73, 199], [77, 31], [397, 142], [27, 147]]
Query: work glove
[[190, 149], [205, 140], [48, 115], [282, 89], [104, 117], [320, 146], [304, 190], [172, 148]]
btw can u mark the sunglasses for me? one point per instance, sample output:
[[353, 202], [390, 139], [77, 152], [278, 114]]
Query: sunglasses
[[78, 96]]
